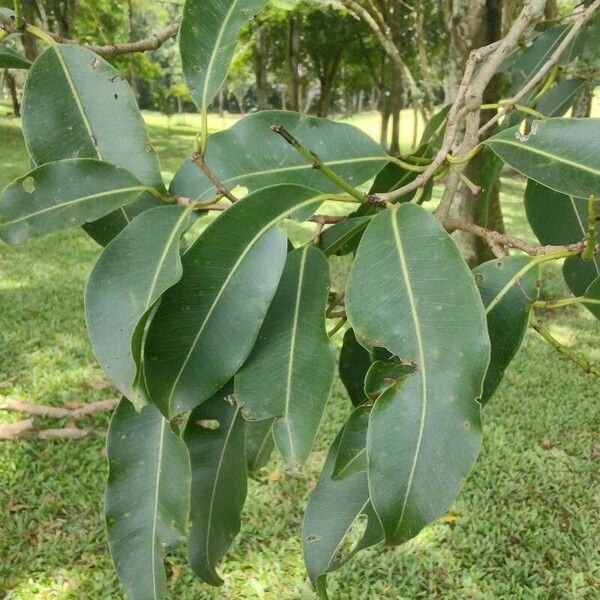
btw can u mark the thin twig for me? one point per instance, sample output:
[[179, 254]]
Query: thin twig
[[222, 191], [579, 360]]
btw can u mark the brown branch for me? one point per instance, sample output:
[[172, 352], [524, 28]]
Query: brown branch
[[222, 191], [55, 412], [153, 42], [26, 430], [498, 241]]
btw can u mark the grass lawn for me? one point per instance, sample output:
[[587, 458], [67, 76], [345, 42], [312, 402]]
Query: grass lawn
[[526, 522]]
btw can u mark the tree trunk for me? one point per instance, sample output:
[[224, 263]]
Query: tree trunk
[[30, 43], [11, 83], [294, 61], [467, 205], [395, 108], [261, 57], [385, 121], [327, 80]]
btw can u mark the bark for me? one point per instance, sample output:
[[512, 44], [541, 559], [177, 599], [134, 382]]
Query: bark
[[467, 205], [294, 61], [11, 83], [327, 79], [261, 59], [385, 121], [395, 108], [583, 103], [30, 43]]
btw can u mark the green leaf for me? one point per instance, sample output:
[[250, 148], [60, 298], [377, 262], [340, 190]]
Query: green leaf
[[132, 273], [355, 361], [338, 522], [147, 498], [560, 219], [430, 133], [592, 298], [289, 372], [351, 457], [559, 99], [63, 194], [207, 42], [9, 59], [76, 105], [334, 239], [215, 439], [249, 154], [507, 286], [562, 154], [384, 373], [201, 333], [425, 433], [259, 444]]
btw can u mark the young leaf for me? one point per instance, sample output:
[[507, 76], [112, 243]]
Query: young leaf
[[259, 444], [507, 286], [9, 59], [355, 361], [561, 219], [351, 153], [134, 270], [424, 433], [215, 439], [76, 105], [562, 154], [63, 194], [289, 372], [338, 522], [201, 333], [207, 41], [147, 497], [352, 452]]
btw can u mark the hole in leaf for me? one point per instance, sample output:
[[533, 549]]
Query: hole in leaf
[[209, 424], [28, 184], [478, 278], [352, 538]]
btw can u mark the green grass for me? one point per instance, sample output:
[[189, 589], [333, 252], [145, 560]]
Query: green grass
[[526, 526]]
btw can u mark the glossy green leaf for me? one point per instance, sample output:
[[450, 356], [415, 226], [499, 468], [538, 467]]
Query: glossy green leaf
[[559, 219], [63, 194], [201, 333], [9, 59], [76, 105], [338, 522], [434, 128], [215, 439], [425, 433], [351, 456], [592, 298], [507, 286], [562, 154], [207, 42], [259, 444], [384, 373], [132, 273], [351, 153], [289, 372], [335, 239], [559, 99], [147, 497]]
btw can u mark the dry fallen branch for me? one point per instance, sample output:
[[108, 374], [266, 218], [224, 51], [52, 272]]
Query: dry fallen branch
[[26, 430], [55, 412]]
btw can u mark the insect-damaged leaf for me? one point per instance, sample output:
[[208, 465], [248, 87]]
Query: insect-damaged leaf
[[215, 439], [207, 41], [289, 372], [339, 520], [249, 154], [63, 194], [147, 497], [562, 154], [202, 333], [424, 433], [561, 219], [507, 286], [76, 105], [134, 270]]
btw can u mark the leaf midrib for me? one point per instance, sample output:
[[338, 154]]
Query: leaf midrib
[[114, 192], [421, 354]]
